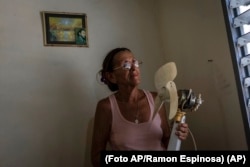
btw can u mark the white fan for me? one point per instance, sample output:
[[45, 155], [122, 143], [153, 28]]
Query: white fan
[[166, 88], [167, 92]]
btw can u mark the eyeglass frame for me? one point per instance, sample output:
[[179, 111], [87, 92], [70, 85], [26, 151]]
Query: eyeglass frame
[[127, 65]]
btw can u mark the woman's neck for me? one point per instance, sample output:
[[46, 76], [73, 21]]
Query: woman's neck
[[131, 95]]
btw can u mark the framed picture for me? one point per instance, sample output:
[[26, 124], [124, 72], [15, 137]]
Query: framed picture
[[65, 29]]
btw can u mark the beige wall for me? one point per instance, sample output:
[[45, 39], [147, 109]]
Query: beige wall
[[194, 36], [48, 94]]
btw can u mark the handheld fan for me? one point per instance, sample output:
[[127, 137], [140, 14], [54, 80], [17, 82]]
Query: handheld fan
[[166, 88], [180, 100]]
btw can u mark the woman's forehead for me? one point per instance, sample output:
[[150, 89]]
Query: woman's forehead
[[124, 55]]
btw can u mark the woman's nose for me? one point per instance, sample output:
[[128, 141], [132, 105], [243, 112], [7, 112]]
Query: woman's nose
[[133, 66]]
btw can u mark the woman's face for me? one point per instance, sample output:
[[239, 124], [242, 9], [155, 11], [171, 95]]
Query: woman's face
[[126, 70], [83, 33]]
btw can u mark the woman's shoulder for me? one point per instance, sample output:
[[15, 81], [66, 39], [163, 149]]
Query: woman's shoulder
[[104, 103], [103, 108]]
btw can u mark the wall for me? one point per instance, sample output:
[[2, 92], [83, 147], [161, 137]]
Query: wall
[[194, 36], [48, 94]]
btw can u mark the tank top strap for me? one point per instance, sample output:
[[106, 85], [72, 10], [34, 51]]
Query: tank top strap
[[150, 101], [115, 110]]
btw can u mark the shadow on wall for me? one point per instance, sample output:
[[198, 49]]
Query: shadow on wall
[[87, 161]]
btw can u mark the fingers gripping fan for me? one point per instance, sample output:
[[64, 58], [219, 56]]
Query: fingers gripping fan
[[166, 89]]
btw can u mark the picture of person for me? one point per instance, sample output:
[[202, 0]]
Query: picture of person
[[81, 36]]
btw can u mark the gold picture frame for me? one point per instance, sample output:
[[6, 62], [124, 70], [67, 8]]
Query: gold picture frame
[[65, 29]]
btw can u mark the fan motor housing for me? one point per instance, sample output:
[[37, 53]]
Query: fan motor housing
[[186, 99]]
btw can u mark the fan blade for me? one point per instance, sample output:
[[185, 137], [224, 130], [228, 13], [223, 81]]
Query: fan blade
[[171, 87], [166, 88], [165, 74]]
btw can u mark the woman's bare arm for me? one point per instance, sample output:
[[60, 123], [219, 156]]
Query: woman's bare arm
[[102, 126]]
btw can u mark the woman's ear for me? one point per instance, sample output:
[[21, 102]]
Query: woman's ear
[[111, 77]]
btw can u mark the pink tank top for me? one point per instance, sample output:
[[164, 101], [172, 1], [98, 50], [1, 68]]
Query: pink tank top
[[126, 135]]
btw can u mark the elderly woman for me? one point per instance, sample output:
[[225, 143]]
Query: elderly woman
[[124, 119]]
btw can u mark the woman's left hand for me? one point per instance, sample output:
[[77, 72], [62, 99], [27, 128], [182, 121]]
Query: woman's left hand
[[182, 131]]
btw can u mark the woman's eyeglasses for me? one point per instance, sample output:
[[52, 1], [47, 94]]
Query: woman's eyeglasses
[[128, 65]]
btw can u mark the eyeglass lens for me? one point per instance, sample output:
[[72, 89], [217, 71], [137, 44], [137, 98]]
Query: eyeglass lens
[[127, 65]]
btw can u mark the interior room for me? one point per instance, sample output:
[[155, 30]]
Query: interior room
[[49, 93]]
